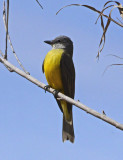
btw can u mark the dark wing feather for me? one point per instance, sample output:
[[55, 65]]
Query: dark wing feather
[[43, 67], [68, 77], [59, 104]]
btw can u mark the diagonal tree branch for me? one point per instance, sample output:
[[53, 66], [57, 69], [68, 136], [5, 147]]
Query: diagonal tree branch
[[62, 96]]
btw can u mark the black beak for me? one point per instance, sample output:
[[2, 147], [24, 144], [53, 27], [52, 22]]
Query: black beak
[[48, 42]]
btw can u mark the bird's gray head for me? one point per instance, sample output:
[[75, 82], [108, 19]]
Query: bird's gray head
[[62, 42]]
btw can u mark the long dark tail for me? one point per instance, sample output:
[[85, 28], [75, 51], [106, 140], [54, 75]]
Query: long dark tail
[[68, 131]]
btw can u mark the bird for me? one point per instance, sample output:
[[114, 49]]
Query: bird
[[59, 71]]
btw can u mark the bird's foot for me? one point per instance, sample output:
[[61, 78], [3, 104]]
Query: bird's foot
[[46, 88], [55, 93]]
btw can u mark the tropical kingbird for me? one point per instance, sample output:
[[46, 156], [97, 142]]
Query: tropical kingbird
[[60, 74]]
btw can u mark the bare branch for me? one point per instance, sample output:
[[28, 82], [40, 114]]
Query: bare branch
[[101, 14], [111, 66], [120, 21], [104, 33], [92, 8], [120, 7], [113, 55], [1, 54], [12, 48], [7, 21], [62, 96], [39, 4]]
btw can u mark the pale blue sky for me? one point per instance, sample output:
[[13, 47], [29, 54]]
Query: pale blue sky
[[30, 120]]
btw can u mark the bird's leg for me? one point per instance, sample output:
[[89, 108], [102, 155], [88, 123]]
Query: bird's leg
[[55, 93], [46, 87]]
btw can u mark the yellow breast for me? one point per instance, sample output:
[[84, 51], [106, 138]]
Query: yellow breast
[[52, 68]]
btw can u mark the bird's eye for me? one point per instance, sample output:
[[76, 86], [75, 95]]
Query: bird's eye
[[59, 41]]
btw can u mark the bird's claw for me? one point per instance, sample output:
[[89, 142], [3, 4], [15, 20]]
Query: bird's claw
[[55, 93], [46, 88]]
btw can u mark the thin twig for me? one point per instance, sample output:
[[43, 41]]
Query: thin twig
[[113, 55], [6, 22], [92, 8], [120, 7], [39, 4], [62, 96], [4, 19], [119, 20], [104, 33], [1, 54], [111, 66], [102, 12]]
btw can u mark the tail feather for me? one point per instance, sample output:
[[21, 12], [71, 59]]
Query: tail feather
[[68, 131]]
